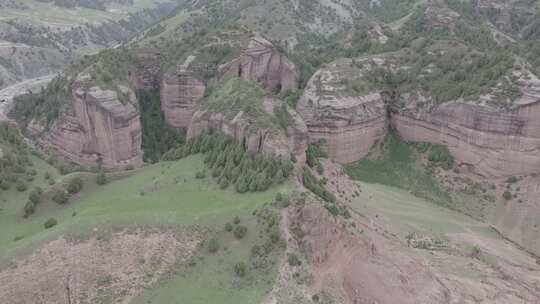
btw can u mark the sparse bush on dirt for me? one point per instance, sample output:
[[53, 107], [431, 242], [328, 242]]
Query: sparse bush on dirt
[[213, 245], [512, 180], [236, 220], [240, 269], [228, 227], [507, 195], [293, 260], [240, 232]]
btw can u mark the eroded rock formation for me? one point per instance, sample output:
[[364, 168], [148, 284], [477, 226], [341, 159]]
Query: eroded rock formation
[[147, 73], [271, 140], [262, 62], [345, 124], [494, 141], [98, 128], [181, 93]]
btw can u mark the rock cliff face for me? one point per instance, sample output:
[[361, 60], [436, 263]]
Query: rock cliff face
[[494, 143], [147, 73], [243, 128], [347, 125], [181, 93], [263, 63], [349, 115], [98, 128]]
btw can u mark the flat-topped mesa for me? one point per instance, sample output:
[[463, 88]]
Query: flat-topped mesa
[[346, 123], [99, 129], [263, 63], [181, 93], [147, 73]]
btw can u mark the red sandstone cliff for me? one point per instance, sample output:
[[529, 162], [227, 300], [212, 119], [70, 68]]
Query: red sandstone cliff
[[270, 140], [348, 123], [263, 63], [97, 128], [181, 93]]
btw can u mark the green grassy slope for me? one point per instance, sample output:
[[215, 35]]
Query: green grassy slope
[[161, 195]]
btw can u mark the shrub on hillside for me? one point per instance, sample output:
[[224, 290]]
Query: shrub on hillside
[[21, 187], [29, 209], [35, 195], [60, 197], [240, 269], [293, 259], [75, 185], [50, 223], [101, 178], [213, 245], [240, 231], [507, 195]]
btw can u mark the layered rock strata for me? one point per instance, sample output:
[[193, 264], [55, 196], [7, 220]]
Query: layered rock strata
[[243, 128], [146, 75], [263, 63], [494, 141], [181, 93], [345, 125], [98, 129]]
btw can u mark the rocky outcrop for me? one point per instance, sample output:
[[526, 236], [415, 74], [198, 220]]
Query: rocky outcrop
[[271, 140], [347, 115], [263, 63], [493, 143], [99, 128], [344, 124], [146, 75], [181, 93]]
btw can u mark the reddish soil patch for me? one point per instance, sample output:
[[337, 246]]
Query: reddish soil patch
[[108, 269]]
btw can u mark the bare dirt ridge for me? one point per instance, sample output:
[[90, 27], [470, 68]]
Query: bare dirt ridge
[[111, 267]]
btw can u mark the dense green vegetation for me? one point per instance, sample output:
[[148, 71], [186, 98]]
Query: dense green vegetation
[[173, 197], [317, 186], [16, 166], [157, 136], [398, 166], [44, 106], [230, 163]]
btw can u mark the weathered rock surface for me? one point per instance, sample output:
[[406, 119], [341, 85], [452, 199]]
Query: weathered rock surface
[[494, 143], [263, 63], [243, 128], [98, 128], [181, 93], [350, 114], [147, 73], [346, 124]]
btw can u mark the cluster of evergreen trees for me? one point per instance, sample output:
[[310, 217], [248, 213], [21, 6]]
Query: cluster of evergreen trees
[[230, 163], [15, 160], [157, 136]]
